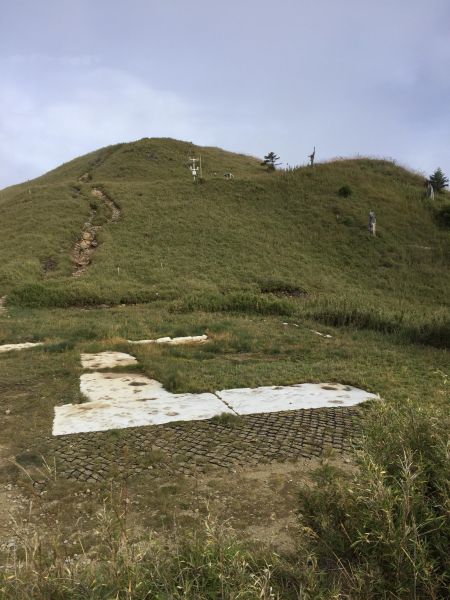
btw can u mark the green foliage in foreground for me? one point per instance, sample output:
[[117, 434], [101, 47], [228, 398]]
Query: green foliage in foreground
[[384, 532], [206, 565]]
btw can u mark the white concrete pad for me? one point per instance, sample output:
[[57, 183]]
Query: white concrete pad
[[176, 341], [120, 400], [107, 360], [24, 346], [324, 335], [247, 401], [101, 387]]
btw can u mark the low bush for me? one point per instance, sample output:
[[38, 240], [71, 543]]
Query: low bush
[[349, 221], [76, 293], [443, 216], [345, 191], [227, 419], [433, 332], [59, 346], [280, 287], [236, 302], [344, 312], [411, 327]]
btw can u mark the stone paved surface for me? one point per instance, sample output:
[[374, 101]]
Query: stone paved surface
[[187, 448]]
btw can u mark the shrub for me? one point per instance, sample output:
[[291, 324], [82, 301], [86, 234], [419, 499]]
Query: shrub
[[443, 215], [59, 346], [246, 302], [76, 293], [280, 287], [410, 327], [345, 191], [384, 531], [227, 419]]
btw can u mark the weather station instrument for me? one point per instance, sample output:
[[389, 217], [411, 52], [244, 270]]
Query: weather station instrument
[[196, 167]]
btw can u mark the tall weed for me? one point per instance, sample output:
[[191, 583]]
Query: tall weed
[[384, 532], [208, 564]]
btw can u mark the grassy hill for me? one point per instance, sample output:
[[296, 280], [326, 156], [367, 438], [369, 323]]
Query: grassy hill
[[260, 226], [259, 232], [259, 263]]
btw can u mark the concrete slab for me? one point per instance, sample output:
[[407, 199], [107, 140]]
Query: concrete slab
[[101, 387], [324, 335], [24, 346], [176, 341], [121, 400], [107, 360], [247, 401]]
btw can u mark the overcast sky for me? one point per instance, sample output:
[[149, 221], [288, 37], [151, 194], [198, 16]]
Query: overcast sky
[[348, 76]]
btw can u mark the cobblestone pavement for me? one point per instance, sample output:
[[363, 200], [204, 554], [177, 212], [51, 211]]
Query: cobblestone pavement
[[198, 446]]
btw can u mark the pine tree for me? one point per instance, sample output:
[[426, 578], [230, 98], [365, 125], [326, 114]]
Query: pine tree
[[270, 161], [438, 180]]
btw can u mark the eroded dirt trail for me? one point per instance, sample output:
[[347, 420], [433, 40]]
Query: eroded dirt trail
[[85, 247]]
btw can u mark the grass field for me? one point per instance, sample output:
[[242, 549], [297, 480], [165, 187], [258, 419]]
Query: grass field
[[259, 263]]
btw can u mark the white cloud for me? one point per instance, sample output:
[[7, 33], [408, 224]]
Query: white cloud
[[104, 106]]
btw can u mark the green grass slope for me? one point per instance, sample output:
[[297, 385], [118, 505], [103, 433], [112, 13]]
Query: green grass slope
[[259, 263], [259, 231]]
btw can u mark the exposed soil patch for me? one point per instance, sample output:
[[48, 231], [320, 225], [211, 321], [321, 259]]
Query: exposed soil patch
[[115, 210], [49, 264], [85, 247], [85, 178]]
